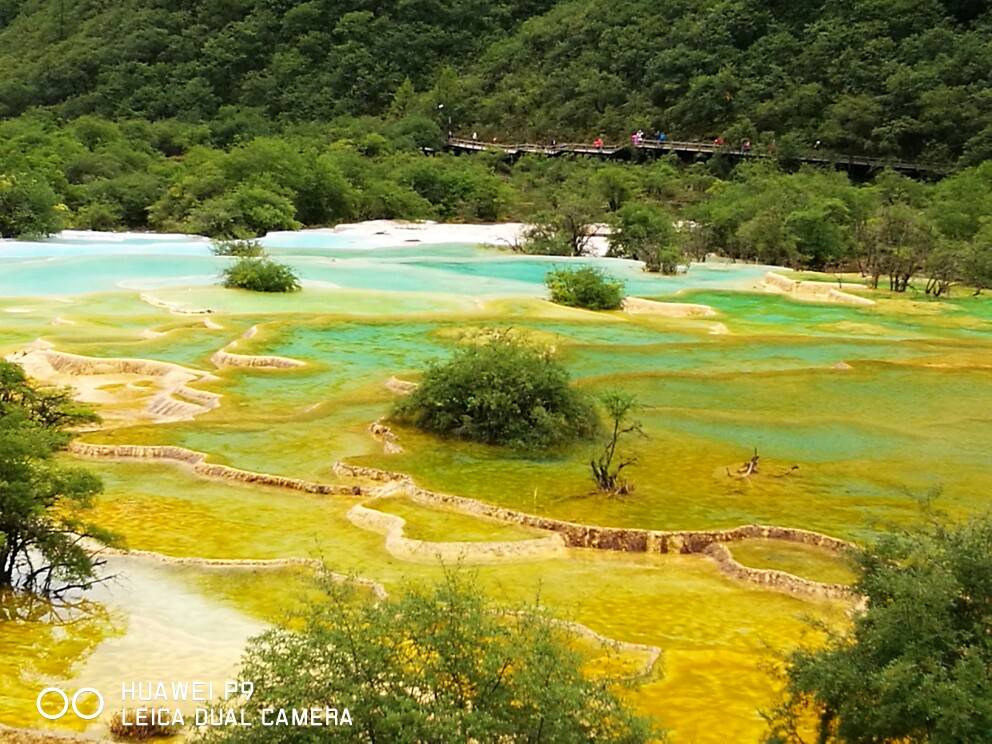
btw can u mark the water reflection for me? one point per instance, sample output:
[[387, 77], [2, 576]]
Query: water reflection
[[151, 623], [44, 642]]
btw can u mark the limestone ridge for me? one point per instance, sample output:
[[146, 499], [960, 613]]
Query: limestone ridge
[[224, 358], [402, 387], [175, 308], [638, 305], [381, 432], [197, 462], [632, 540], [810, 291], [571, 534], [469, 553], [171, 398], [771, 578], [259, 563]]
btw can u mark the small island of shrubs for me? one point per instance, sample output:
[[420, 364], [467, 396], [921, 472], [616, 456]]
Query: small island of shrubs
[[500, 390], [254, 270], [586, 287]]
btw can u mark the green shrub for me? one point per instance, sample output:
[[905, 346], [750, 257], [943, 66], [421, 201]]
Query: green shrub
[[544, 240], [260, 275], [914, 664], [98, 215], [28, 207], [646, 233], [586, 287], [240, 248], [500, 391], [428, 664], [249, 210]]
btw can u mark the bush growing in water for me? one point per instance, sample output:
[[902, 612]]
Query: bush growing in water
[[585, 287], [500, 391], [240, 248], [260, 274]]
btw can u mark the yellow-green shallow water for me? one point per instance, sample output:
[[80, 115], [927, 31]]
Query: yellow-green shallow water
[[800, 560], [908, 412]]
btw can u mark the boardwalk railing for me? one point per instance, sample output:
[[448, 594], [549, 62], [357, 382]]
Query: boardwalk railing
[[708, 148]]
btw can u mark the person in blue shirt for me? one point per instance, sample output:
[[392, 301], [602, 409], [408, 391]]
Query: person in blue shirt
[[662, 137]]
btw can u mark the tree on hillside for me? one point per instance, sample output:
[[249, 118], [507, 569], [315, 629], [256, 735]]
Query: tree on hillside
[[42, 503], [616, 184], [645, 233], [565, 229], [251, 209], [961, 202], [500, 390], [803, 219], [28, 207], [978, 264], [945, 266], [915, 665], [433, 664], [896, 242]]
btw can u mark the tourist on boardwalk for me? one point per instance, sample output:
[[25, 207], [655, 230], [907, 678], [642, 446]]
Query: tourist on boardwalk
[[475, 136], [662, 137], [718, 142], [598, 143], [746, 146]]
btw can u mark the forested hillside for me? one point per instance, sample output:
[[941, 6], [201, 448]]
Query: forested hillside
[[884, 77], [186, 58]]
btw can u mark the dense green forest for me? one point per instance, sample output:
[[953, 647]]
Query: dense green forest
[[884, 77], [96, 174]]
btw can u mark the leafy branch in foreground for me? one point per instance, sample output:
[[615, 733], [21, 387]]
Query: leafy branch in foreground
[[432, 664], [915, 665], [42, 530]]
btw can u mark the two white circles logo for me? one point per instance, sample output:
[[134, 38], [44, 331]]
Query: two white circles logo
[[67, 703]]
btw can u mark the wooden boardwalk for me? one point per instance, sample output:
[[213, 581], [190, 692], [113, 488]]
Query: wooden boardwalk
[[692, 151]]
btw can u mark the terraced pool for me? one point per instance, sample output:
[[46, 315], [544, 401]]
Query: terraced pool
[[857, 412]]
